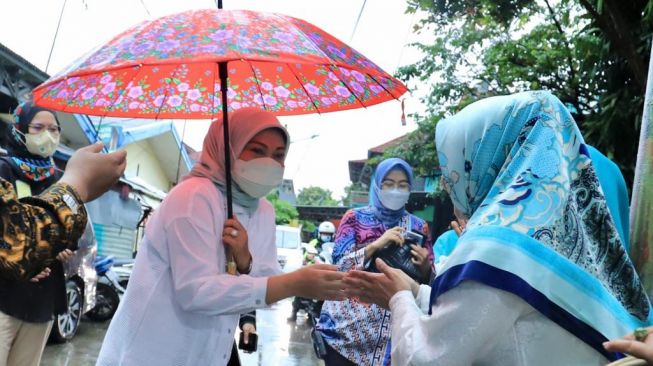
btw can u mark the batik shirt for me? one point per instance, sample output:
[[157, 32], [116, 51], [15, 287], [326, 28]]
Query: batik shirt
[[361, 332], [35, 229]]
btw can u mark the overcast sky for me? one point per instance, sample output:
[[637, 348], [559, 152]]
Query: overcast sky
[[382, 35]]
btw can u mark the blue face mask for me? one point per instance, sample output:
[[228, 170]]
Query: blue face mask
[[393, 199], [325, 238]]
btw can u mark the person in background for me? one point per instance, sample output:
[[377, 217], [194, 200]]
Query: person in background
[[27, 309], [540, 275], [180, 278], [355, 333], [326, 232]]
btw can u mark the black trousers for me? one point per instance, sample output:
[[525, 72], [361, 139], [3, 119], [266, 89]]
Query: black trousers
[[334, 358], [234, 360]]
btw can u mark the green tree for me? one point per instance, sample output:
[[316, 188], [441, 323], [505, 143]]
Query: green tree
[[592, 54], [285, 212], [315, 196]]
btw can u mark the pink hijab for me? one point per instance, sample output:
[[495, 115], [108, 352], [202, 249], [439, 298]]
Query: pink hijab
[[244, 124]]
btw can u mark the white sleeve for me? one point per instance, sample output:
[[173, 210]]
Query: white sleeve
[[264, 254], [465, 321], [199, 284]]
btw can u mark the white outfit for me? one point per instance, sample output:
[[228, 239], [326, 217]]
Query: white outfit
[[181, 308], [474, 324]]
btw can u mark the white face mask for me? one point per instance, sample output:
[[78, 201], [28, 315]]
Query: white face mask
[[393, 199], [257, 177], [44, 144]]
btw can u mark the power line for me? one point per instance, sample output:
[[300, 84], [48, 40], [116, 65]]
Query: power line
[[360, 13], [146, 10], [55, 36], [403, 47]]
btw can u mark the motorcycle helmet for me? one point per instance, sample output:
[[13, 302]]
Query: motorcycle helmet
[[326, 230]]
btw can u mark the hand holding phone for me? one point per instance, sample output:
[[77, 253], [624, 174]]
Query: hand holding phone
[[251, 344]]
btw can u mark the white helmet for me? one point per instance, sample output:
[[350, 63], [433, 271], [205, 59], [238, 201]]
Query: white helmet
[[326, 227]]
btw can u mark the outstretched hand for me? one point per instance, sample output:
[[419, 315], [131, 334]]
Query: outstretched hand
[[322, 282], [628, 344], [378, 288]]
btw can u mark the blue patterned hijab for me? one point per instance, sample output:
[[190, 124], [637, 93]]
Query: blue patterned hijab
[[389, 218], [539, 223]]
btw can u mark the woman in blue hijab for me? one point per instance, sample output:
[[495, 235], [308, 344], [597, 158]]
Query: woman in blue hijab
[[355, 333], [540, 276]]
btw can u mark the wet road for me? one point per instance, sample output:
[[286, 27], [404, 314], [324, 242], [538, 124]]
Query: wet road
[[280, 343]]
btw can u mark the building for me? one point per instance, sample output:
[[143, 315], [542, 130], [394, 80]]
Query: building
[[156, 157]]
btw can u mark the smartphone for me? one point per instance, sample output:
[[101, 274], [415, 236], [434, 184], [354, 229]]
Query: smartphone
[[251, 345]]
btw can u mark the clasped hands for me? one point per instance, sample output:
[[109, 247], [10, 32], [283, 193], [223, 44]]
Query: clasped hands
[[324, 281]]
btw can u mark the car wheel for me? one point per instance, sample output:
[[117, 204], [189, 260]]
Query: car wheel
[[65, 325], [106, 303]]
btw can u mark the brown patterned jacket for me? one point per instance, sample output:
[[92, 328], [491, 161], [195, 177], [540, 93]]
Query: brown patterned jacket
[[35, 229]]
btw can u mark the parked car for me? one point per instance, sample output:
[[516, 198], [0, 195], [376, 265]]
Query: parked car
[[81, 282], [289, 247]]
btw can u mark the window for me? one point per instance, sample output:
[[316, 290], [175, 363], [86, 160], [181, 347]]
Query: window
[[287, 240]]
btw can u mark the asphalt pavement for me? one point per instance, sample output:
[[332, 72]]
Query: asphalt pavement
[[281, 343]]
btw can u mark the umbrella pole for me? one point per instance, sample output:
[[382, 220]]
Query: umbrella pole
[[222, 71], [641, 206]]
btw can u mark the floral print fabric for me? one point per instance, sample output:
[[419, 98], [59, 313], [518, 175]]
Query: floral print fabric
[[169, 67]]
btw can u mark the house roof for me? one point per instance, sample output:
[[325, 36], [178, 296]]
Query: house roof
[[378, 150]]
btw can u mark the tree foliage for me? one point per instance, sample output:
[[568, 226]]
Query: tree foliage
[[592, 54], [315, 196], [285, 212]]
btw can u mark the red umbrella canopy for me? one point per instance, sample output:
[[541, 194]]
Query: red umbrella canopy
[[168, 68]]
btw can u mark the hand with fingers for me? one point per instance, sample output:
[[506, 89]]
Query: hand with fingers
[[638, 344], [420, 257], [459, 225], [378, 288], [63, 257], [248, 328], [234, 236], [391, 236], [321, 282]]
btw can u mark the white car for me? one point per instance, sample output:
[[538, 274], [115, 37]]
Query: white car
[[289, 248]]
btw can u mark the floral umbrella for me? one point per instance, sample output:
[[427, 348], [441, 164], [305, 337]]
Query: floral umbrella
[[169, 68], [202, 63]]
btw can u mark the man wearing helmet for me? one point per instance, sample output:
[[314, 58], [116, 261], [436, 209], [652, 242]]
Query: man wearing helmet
[[326, 232]]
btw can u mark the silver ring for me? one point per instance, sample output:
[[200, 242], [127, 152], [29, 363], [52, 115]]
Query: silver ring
[[234, 233]]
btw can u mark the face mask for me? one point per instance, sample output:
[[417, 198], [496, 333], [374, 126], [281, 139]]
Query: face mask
[[393, 199], [257, 177], [325, 238], [44, 144]]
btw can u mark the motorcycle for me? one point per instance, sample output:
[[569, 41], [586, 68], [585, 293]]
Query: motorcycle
[[108, 291], [326, 253]]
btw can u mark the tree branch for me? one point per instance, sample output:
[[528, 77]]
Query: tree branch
[[570, 62], [620, 37]]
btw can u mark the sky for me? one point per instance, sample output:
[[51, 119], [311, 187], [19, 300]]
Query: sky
[[321, 144]]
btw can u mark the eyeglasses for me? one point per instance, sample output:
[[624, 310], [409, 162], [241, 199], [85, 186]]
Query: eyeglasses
[[38, 128], [401, 186]]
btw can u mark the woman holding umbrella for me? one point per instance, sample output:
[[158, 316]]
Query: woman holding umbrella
[[181, 306]]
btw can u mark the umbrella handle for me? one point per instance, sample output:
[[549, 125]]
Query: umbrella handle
[[222, 70]]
